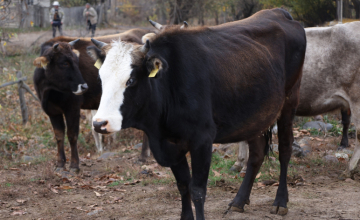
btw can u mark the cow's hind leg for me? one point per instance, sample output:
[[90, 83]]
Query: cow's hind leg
[[256, 157], [351, 169], [345, 116], [59, 130], [285, 148], [242, 158], [72, 121], [181, 172]]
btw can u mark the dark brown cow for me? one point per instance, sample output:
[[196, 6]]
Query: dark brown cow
[[66, 81], [190, 88]]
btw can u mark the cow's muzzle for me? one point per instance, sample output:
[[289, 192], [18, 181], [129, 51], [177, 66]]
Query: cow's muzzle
[[100, 127], [82, 88]]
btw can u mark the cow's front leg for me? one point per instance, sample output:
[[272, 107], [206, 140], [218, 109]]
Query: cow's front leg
[[145, 150], [72, 121], [257, 152], [200, 162], [345, 119], [181, 172], [58, 125]]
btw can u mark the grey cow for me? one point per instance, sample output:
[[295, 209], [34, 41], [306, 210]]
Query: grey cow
[[330, 81]]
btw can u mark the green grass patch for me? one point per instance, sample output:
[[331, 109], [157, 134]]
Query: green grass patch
[[222, 166], [8, 184], [116, 183]]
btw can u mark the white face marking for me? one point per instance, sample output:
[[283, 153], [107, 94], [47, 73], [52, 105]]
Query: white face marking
[[114, 74], [79, 90]]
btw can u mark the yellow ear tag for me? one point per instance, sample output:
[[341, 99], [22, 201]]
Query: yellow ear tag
[[98, 63], [154, 72]]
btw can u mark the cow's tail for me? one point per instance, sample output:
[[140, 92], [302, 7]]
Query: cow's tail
[[268, 141]]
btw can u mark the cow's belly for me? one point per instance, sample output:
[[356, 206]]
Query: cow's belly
[[323, 104], [249, 122]]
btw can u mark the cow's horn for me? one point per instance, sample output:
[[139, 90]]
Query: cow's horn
[[156, 25], [185, 25], [145, 48], [72, 43], [99, 44], [56, 46]]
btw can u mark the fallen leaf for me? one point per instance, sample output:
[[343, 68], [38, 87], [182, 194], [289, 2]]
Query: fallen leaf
[[66, 187], [128, 173], [18, 213], [14, 169], [318, 139], [88, 156], [120, 190], [65, 180], [275, 184], [87, 187], [54, 190], [258, 175], [260, 184], [79, 208], [216, 174], [97, 194], [15, 208], [92, 206], [22, 201], [242, 175]]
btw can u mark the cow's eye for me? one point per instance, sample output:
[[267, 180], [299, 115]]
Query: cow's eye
[[66, 64], [130, 82]]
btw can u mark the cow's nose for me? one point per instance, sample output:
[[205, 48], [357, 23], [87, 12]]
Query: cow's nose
[[84, 87], [98, 125]]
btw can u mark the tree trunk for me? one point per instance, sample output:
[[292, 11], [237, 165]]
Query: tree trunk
[[22, 100], [347, 11], [356, 4], [216, 17]]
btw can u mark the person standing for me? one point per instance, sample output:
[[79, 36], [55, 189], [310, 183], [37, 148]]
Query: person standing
[[91, 18], [57, 17]]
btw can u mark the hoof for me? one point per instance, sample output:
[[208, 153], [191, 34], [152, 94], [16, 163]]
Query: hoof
[[282, 211], [75, 170], [237, 209], [59, 169], [274, 209], [341, 148], [235, 168], [278, 210], [346, 174]]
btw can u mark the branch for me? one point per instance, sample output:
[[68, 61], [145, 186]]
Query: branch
[[14, 82], [27, 88]]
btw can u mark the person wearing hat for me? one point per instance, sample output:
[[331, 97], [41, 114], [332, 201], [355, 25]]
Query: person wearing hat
[[57, 17], [91, 18]]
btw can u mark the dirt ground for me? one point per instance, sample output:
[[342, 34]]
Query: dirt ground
[[120, 187]]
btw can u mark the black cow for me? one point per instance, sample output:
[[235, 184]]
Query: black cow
[[190, 88], [67, 81]]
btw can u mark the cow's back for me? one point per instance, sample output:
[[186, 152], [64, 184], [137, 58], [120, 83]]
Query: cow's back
[[247, 66], [331, 69]]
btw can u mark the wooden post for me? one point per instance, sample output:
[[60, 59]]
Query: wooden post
[[24, 111]]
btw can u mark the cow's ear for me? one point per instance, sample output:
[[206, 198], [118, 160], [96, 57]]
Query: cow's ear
[[148, 36], [95, 53], [76, 52], [155, 65], [41, 62]]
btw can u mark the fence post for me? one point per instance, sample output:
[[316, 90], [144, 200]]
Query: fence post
[[24, 111]]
